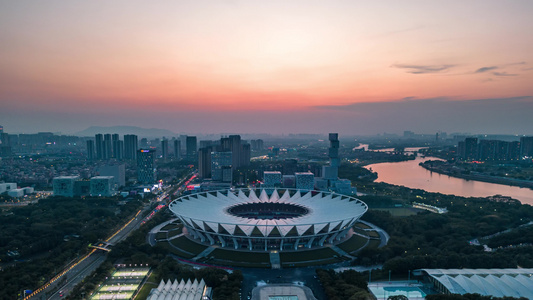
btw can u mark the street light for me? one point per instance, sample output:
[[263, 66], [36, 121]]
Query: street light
[[389, 276]]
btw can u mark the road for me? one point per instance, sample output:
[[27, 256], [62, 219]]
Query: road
[[63, 283]]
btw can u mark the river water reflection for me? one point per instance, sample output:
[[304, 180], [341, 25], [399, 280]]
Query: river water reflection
[[410, 174]]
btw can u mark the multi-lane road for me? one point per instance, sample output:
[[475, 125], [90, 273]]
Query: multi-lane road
[[63, 283]]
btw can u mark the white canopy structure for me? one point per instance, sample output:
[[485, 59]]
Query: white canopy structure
[[487, 282], [268, 218]]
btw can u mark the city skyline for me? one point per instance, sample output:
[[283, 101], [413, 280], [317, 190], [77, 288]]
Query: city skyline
[[275, 67]]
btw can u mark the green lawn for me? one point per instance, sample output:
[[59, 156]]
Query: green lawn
[[161, 236], [147, 287], [363, 226], [240, 256], [175, 232], [372, 233], [374, 243], [171, 226], [187, 245], [352, 244], [359, 230], [175, 251]]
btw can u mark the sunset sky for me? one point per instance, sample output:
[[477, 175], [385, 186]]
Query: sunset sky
[[354, 67]]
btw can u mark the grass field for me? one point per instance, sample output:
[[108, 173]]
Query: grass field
[[175, 251], [359, 230], [352, 244], [374, 243], [372, 233], [147, 287], [171, 226], [161, 236], [174, 232], [362, 225], [251, 257]]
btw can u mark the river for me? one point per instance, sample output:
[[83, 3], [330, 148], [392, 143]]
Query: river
[[411, 175]]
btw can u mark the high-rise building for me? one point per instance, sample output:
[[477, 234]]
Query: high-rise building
[[99, 142], [108, 146], [218, 161], [204, 162], [118, 146], [90, 149], [177, 149], [235, 148], [526, 147], [5, 144], [164, 149], [130, 146], [471, 148], [146, 169], [331, 172], [246, 155], [257, 145], [191, 148], [305, 180]]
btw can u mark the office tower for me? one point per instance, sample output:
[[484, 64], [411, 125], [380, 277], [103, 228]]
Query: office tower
[[204, 162], [331, 172], [471, 148], [235, 148], [526, 147], [118, 172], [272, 179], [227, 174], [305, 180], [191, 148], [164, 149], [130, 146], [99, 143], [108, 146], [1, 129], [246, 155], [218, 161], [90, 149], [177, 149], [146, 169], [144, 143], [5, 144]]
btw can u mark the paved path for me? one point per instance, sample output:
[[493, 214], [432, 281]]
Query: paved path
[[204, 253], [384, 236]]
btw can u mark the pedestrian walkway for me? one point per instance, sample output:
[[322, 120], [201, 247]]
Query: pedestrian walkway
[[205, 253], [275, 260], [340, 251]]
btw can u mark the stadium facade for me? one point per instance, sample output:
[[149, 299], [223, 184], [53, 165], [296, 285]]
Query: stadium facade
[[268, 219]]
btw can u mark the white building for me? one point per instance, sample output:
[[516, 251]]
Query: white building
[[181, 290], [305, 180], [16, 193], [103, 186], [64, 185], [272, 179], [4, 187]]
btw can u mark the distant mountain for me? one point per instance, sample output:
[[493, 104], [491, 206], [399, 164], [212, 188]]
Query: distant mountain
[[141, 132]]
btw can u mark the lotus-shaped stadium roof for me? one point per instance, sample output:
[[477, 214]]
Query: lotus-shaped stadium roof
[[268, 213]]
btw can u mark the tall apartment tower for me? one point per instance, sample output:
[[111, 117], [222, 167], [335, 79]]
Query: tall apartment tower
[[108, 146], [118, 146], [471, 148], [220, 162], [146, 169], [177, 149], [526, 147], [90, 150], [130, 146], [164, 149], [191, 145], [99, 143]]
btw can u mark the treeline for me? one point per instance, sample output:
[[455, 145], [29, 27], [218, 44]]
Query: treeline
[[51, 233], [469, 297], [347, 285], [135, 250]]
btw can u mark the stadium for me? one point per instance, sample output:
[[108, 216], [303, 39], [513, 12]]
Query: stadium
[[268, 219]]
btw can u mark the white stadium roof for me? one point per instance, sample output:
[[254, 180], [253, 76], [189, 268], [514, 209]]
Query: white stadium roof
[[488, 282], [324, 212]]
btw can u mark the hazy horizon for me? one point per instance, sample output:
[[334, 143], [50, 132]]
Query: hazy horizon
[[357, 68]]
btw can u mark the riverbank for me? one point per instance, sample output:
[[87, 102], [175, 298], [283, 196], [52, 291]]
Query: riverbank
[[446, 170]]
